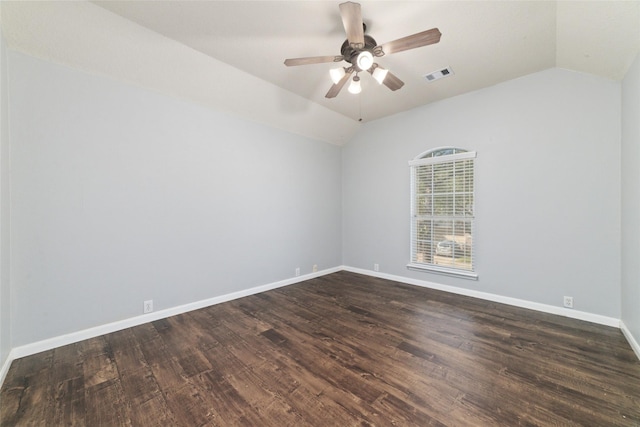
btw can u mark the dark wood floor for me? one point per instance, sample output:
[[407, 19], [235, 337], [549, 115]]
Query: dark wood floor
[[340, 350]]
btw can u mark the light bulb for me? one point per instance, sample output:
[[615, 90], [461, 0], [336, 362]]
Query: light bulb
[[355, 87], [365, 60], [336, 74], [379, 74]]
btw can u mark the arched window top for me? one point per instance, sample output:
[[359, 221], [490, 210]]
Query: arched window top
[[437, 152]]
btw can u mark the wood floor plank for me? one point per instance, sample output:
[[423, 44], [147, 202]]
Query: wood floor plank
[[228, 400], [70, 403], [152, 413], [166, 370], [105, 404], [139, 385], [342, 349], [34, 391], [189, 406]]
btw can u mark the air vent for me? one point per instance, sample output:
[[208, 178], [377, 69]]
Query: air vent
[[439, 74]]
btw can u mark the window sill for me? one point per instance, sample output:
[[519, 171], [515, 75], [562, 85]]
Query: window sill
[[442, 270]]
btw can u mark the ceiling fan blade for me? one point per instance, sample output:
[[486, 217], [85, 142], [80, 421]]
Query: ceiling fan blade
[[424, 38], [390, 81], [335, 89], [312, 60], [352, 21]]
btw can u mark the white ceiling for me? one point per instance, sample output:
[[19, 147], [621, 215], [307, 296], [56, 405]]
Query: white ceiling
[[484, 42]]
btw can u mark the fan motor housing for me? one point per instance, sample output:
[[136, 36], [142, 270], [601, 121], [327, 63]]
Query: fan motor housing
[[350, 53]]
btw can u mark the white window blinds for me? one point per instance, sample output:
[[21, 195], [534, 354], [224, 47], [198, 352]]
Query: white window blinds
[[442, 217]]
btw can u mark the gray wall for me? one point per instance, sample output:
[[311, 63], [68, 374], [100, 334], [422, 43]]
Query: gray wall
[[547, 189], [5, 289], [120, 195], [631, 200]]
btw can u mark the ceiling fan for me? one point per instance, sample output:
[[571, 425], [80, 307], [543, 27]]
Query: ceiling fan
[[359, 50]]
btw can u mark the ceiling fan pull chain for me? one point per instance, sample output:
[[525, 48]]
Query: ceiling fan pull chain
[[360, 106]]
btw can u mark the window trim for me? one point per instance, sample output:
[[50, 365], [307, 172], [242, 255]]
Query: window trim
[[421, 160], [443, 270]]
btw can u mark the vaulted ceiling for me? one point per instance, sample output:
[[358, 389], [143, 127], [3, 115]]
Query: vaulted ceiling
[[229, 54]]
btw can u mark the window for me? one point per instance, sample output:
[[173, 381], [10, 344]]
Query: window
[[442, 217]]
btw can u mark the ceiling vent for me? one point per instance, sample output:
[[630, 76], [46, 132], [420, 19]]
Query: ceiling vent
[[445, 72]]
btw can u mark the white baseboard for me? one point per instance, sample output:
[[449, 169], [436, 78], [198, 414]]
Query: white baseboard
[[545, 308], [632, 341], [5, 367], [48, 344]]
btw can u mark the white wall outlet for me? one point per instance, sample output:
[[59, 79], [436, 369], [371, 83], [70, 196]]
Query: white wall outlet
[[148, 306], [568, 302], [315, 268], [376, 267], [297, 271]]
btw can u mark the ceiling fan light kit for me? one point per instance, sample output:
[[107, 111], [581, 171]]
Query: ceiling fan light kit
[[336, 74], [359, 50], [364, 60], [355, 87], [379, 74]]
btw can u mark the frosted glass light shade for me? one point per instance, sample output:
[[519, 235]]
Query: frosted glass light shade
[[379, 74], [355, 87], [336, 74], [365, 60]]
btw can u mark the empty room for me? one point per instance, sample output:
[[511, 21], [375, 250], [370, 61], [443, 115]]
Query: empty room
[[319, 213]]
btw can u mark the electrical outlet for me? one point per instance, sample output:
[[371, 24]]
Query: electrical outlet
[[297, 271], [376, 267], [315, 268], [568, 302], [148, 306]]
